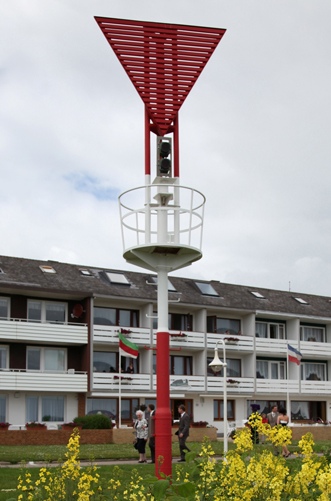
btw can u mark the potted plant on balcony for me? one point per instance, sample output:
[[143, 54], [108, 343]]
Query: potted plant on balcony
[[34, 425], [179, 335], [124, 379], [4, 426], [232, 382], [231, 340]]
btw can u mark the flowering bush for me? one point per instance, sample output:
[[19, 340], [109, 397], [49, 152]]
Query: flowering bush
[[201, 424], [245, 475], [123, 378], [4, 425], [232, 381]]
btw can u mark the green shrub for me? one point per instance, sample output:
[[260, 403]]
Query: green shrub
[[94, 422]]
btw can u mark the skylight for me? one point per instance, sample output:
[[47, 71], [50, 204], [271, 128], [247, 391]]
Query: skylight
[[257, 294], [86, 273], [117, 278], [206, 289], [300, 300], [47, 269], [171, 288]]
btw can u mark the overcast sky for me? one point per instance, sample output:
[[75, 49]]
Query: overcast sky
[[254, 137]]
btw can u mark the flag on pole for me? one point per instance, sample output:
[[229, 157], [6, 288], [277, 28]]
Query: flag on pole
[[126, 348], [293, 355]]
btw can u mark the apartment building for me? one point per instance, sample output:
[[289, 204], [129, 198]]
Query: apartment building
[[59, 355]]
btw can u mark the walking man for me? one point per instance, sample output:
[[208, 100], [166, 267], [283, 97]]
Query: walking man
[[183, 431]]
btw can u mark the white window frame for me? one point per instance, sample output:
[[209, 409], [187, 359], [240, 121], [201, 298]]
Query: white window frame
[[43, 309], [39, 404], [307, 370], [307, 333], [281, 331], [7, 300], [42, 350], [5, 348], [281, 368]]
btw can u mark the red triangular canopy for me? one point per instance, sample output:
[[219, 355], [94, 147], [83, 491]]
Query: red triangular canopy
[[163, 61]]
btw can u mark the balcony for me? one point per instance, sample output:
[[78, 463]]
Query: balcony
[[187, 339], [282, 386], [104, 382], [21, 380], [275, 347], [104, 334], [45, 333], [314, 349], [215, 385], [233, 343]]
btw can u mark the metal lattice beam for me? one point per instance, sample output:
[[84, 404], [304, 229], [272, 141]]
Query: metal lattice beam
[[163, 61]]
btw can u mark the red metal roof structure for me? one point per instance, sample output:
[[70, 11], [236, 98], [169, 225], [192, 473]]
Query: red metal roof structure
[[163, 61]]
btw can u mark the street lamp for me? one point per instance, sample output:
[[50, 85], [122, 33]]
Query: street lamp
[[216, 366]]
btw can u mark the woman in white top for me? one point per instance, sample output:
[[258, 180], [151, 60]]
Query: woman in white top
[[283, 419], [141, 428]]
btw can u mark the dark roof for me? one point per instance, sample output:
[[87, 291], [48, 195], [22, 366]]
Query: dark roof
[[24, 276]]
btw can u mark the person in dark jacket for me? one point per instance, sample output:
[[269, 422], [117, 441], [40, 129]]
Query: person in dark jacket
[[183, 431], [151, 431]]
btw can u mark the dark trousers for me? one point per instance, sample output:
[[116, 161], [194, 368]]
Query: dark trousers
[[183, 447], [152, 448]]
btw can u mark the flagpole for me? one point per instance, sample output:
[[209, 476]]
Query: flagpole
[[288, 405], [119, 394]]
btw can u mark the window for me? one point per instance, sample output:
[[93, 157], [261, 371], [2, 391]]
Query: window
[[46, 408], [219, 410], [233, 367], [180, 322], [105, 361], [258, 295], [310, 411], [171, 288], [270, 369], [109, 407], [312, 333], [47, 269], [223, 325], [44, 311], [117, 278], [263, 406], [86, 273], [272, 330], [313, 371], [4, 308], [300, 300], [206, 289], [46, 359], [116, 316], [3, 403], [4, 357], [181, 365]]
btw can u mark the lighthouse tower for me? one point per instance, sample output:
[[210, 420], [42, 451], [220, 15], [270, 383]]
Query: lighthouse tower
[[161, 221]]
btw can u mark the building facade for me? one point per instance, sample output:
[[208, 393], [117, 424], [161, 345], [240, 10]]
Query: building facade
[[59, 355]]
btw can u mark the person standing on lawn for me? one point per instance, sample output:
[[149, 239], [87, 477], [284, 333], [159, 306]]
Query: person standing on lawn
[[183, 431], [141, 429]]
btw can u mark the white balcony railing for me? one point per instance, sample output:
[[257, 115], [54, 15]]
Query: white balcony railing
[[283, 386], [267, 346], [20, 380], [215, 385], [244, 343], [109, 382], [312, 349], [105, 334], [45, 333], [184, 339]]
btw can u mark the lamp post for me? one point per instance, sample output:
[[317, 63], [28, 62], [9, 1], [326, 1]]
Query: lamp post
[[216, 366]]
